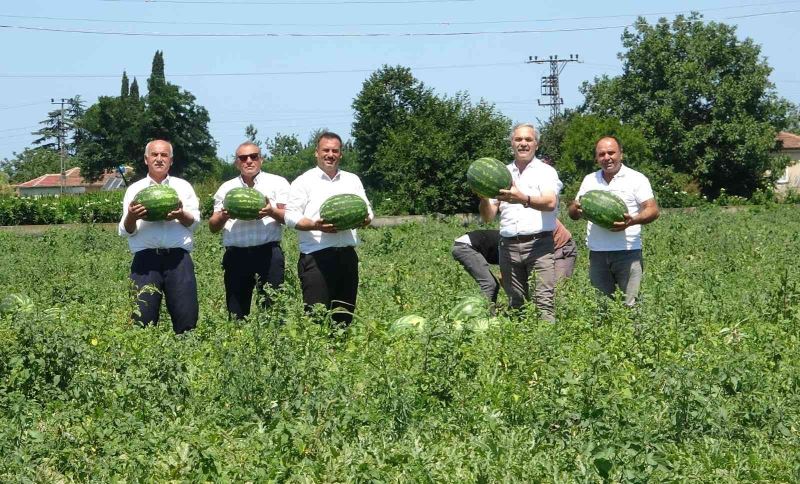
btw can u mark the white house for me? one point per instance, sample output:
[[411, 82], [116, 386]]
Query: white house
[[790, 146]]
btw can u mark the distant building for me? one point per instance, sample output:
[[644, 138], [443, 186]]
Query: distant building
[[50, 184], [791, 175]]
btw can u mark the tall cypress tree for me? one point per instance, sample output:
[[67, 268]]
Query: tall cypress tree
[[134, 92], [125, 89], [157, 77]]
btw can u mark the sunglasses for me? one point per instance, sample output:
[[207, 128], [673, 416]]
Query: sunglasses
[[252, 156]]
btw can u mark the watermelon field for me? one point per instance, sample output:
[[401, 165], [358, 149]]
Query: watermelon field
[[699, 383]]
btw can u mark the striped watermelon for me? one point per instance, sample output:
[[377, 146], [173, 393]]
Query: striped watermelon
[[159, 200], [468, 309], [603, 208], [407, 323], [345, 211], [244, 203], [16, 303], [487, 176]]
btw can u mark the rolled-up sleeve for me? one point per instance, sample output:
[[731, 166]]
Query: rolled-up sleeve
[[191, 204], [295, 204], [126, 201]]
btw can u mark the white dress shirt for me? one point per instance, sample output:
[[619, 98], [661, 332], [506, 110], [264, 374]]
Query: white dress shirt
[[167, 234], [307, 193], [634, 189], [250, 233], [537, 178]]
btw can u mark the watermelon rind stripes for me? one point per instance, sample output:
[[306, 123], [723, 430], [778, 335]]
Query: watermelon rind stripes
[[244, 203], [159, 200], [345, 211], [603, 208], [487, 176]]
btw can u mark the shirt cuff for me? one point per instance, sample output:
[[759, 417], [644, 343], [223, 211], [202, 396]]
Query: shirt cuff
[[292, 218]]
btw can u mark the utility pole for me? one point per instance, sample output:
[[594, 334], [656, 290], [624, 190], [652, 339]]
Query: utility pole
[[61, 140], [550, 86]]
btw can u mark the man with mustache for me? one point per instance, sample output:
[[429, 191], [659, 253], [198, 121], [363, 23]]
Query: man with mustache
[[161, 261], [253, 255], [527, 220], [615, 256]]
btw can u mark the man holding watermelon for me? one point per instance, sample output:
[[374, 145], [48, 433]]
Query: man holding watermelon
[[527, 220], [253, 255], [615, 251], [161, 246], [328, 264]]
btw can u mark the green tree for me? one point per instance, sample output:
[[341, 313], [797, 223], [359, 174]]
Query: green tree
[[134, 92], [424, 160], [701, 97], [251, 134], [117, 129], [125, 89], [388, 98], [30, 164], [49, 134]]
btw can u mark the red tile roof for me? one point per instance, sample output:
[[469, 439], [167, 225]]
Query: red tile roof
[[790, 141], [72, 178]]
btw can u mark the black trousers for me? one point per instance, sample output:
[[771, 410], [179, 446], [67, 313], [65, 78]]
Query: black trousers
[[330, 277], [167, 272], [248, 268]]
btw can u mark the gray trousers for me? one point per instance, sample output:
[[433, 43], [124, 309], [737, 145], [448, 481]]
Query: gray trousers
[[477, 267], [565, 259], [520, 260], [617, 269]]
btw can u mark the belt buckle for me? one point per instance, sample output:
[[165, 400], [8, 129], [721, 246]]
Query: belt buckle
[[160, 251]]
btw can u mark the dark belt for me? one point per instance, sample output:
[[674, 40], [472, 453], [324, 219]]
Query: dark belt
[[253, 248], [168, 251], [528, 237]]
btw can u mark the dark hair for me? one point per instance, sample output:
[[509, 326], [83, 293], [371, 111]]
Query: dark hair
[[609, 136], [329, 135]]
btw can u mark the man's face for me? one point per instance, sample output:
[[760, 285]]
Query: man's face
[[523, 143], [248, 160], [608, 155], [158, 159], [329, 152]]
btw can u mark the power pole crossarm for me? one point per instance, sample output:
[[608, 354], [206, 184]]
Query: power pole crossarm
[[550, 87]]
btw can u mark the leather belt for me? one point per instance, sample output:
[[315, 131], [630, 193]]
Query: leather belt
[[528, 237]]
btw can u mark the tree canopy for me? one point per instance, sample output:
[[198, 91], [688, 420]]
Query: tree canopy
[[701, 97]]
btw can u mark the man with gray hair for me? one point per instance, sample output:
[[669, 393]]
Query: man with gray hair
[[527, 220], [161, 261]]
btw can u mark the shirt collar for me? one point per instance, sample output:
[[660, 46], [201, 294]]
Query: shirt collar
[[255, 179], [530, 164], [623, 170], [150, 181], [325, 176]]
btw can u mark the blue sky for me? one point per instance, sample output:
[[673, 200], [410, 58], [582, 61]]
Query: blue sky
[[306, 72]]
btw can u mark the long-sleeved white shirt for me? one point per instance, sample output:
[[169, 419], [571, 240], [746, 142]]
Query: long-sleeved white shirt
[[249, 233], [307, 193], [167, 234]]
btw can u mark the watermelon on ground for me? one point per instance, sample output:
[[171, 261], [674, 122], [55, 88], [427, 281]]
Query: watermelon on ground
[[16, 303], [468, 309], [408, 323], [603, 208], [487, 176], [244, 203], [159, 200], [345, 211]]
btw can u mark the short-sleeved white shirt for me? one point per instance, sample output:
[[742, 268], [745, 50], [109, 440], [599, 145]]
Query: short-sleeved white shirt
[[634, 189], [537, 178], [306, 195], [250, 233]]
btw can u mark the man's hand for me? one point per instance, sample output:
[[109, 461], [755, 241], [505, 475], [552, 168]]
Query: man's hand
[[323, 226], [624, 224], [367, 221], [512, 195], [266, 210], [177, 213], [136, 211], [574, 210]]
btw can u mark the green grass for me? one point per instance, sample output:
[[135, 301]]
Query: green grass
[[701, 382]]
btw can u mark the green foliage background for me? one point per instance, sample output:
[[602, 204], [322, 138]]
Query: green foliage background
[[700, 383]]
